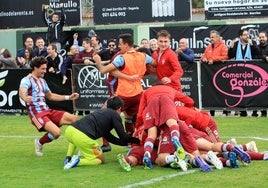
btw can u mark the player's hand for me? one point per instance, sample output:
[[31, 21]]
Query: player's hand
[[28, 99], [74, 96], [97, 59], [165, 80]]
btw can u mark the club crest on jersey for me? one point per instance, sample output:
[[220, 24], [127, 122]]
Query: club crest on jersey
[[148, 116]]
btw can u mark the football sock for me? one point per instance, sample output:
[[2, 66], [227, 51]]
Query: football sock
[[256, 156], [174, 131], [169, 159], [44, 139], [226, 147], [149, 145]]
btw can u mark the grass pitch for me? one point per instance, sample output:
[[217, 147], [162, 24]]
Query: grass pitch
[[21, 168]]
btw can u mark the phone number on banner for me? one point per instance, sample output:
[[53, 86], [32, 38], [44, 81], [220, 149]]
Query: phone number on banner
[[113, 14]]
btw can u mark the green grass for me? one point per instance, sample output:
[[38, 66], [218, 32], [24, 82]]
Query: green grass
[[21, 168]]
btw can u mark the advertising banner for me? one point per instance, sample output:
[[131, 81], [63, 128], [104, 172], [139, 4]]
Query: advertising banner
[[9, 90], [92, 86], [235, 84], [198, 36], [16, 14], [135, 11], [235, 9]]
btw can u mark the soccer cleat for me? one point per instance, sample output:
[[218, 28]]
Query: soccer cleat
[[179, 149], [232, 141], [232, 159], [73, 163], [106, 148], [243, 156], [180, 162], [202, 164], [123, 163], [251, 146], [38, 148], [147, 160], [214, 160]]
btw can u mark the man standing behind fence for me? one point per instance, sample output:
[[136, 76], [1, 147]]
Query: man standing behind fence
[[33, 91], [55, 25]]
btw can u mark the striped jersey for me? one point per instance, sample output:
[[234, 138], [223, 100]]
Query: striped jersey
[[37, 89]]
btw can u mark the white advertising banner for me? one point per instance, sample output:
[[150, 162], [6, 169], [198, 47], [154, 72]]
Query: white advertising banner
[[222, 9]]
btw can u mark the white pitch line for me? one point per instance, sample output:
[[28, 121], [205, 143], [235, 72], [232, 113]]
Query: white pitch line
[[158, 179], [246, 137]]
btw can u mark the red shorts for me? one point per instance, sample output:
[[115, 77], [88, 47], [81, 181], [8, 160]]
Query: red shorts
[[131, 104], [186, 138], [214, 129], [199, 134], [159, 110], [39, 120], [138, 153]]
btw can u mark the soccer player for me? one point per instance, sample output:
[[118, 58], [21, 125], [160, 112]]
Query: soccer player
[[129, 62], [158, 111], [84, 133], [33, 91], [168, 67]]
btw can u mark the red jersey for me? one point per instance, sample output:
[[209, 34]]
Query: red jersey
[[198, 120], [169, 66]]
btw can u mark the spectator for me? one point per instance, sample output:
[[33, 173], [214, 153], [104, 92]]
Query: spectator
[[55, 25], [153, 45], [263, 46], [67, 63], [6, 60], [28, 43], [216, 51], [184, 52], [54, 60], [95, 44], [24, 63], [107, 54], [243, 48], [86, 55], [41, 49], [144, 43]]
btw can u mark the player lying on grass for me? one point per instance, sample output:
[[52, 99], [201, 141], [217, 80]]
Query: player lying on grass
[[83, 134]]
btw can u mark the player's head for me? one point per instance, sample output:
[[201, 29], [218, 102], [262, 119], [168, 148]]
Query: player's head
[[115, 103], [39, 66]]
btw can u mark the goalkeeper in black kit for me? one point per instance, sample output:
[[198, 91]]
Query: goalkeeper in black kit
[[83, 134]]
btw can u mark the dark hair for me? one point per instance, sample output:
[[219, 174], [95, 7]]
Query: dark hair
[[53, 46], [31, 52], [127, 39], [87, 40], [144, 50], [115, 103], [264, 32], [38, 61], [240, 32], [6, 53]]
